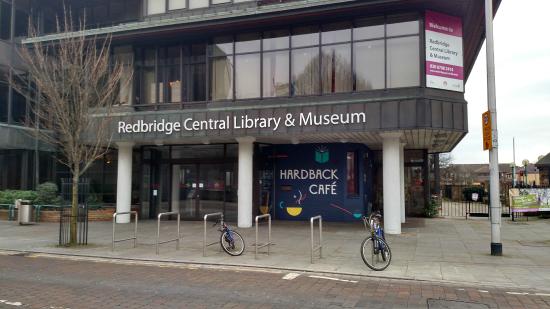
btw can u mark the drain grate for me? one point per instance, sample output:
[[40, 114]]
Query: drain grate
[[453, 304]]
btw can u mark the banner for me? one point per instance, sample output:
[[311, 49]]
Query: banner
[[444, 55], [530, 200]]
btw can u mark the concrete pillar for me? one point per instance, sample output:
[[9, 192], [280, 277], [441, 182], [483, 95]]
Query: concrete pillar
[[402, 181], [391, 148], [246, 181], [124, 181]]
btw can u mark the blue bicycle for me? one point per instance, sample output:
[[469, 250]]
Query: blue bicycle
[[231, 241], [375, 251]]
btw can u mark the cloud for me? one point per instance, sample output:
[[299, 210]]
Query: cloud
[[522, 60]]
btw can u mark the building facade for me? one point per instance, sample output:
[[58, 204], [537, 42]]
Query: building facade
[[294, 108]]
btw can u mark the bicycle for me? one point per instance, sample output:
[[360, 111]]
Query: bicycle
[[231, 241], [375, 246]]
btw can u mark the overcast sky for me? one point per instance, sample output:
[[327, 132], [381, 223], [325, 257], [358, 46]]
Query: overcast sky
[[522, 59]]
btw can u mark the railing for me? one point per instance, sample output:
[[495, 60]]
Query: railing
[[65, 218], [177, 240], [115, 215], [204, 244], [11, 211], [257, 245], [315, 248]]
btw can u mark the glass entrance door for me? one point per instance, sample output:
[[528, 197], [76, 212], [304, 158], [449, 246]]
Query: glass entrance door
[[185, 192], [198, 189]]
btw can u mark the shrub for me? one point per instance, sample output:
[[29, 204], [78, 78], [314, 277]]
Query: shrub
[[9, 196], [431, 209], [47, 194]]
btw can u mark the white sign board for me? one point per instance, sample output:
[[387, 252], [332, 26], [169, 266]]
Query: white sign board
[[444, 55]]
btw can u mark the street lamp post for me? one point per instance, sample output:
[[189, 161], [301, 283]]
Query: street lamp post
[[494, 185], [525, 178]]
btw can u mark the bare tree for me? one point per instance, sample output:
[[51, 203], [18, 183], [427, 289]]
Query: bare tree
[[74, 77]]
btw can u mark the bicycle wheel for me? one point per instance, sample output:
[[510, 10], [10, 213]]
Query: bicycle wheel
[[375, 253], [232, 243]]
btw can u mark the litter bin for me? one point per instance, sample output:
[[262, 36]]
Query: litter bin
[[24, 214]]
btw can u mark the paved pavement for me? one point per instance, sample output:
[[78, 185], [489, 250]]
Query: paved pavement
[[436, 250], [39, 281]]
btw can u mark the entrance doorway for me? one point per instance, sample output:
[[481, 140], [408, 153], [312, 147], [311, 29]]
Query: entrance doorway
[[194, 180], [201, 188]]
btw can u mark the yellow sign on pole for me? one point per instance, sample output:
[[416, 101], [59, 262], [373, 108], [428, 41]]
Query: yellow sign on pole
[[487, 131]]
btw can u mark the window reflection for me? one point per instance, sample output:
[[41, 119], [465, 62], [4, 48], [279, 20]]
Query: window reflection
[[336, 68], [247, 72], [336, 33], [276, 64], [402, 70], [305, 36], [221, 78], [305, 71], [275, 74], [368, 62]]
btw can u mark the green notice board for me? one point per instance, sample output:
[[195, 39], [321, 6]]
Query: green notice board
[[525, 203]]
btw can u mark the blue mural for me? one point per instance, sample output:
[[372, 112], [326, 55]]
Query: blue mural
[[310, 180]]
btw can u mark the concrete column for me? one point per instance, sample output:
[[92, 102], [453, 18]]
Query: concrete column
[[246, 181], [391, 148], [124, 181], [402, 180]]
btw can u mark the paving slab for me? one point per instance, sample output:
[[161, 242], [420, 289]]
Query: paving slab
[[455, 250]]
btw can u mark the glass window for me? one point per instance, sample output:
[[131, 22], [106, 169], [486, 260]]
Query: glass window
[[221, 78], [156, 7], [351, 176], [371, 28], [195, 4], [305, 36], [176, 4], [197, 73], [4, 102], [368, 62], [275, 74], [174, 84], [247, 43], [5, 20], [222, 46], [125, 56], [402, 25], [336, 68], [305, 71], [403, 62], [277, 39], [19, 108], [336, 33], [149, 86], [247, 74]]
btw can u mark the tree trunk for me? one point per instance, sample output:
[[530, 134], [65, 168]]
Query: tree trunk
[[74, 208]]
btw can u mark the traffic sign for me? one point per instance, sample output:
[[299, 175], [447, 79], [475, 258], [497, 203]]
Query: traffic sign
[[487, 131]]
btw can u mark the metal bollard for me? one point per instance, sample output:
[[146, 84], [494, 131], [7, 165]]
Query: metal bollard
[[257, 245], [135, 228], [177, 240], [204, 245], [320, 246]]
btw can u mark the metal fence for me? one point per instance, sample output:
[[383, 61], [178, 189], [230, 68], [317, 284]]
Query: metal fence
[[466, 209], [65, 218]]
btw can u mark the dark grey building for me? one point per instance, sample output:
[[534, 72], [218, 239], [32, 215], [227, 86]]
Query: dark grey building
[[294, 108]]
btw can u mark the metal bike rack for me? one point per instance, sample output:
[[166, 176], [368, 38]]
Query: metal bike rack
[[268, 244], [320, 246], [204, 245], [177, 240], [135, 228]]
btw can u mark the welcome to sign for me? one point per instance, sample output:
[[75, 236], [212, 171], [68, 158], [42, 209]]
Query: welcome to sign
[[444, 55]]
